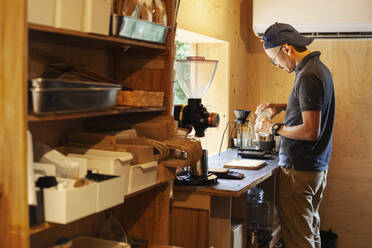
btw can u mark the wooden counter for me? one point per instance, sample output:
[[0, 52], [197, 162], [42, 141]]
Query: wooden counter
[[201, 216], [229, 187]]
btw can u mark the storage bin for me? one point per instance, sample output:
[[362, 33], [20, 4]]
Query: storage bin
[[142, 176], [140, 98], [66, 96], [90, 242], [41, 12], [110, 190], [69, 14], [133, 28], [97, 16], [104, 162], [70, 203]]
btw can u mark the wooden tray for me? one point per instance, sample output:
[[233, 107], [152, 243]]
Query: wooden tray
[[245, 164]]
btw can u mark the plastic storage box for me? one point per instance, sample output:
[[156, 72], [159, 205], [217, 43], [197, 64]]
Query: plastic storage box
[[110, 190], [104, 162], [142, 176], [70, 203], [133, 28], [97, 16]]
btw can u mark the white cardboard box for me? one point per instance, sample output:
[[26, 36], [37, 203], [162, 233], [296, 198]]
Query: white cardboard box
[[69, 14], [97, 16], [41, 11], [142, 176], [68, 204]]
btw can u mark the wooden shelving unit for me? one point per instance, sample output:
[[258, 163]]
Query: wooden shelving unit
[[85, 39], [40, 228], [28, 49], [115, 111]]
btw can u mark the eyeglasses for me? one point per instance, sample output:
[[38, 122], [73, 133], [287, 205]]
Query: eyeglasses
[[273, 60]]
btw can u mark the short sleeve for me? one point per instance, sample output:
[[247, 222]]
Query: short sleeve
[[310, 93]]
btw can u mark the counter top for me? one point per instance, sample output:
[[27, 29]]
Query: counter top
[[232, 187]]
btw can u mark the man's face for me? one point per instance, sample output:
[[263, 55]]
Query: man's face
[[282, 57]]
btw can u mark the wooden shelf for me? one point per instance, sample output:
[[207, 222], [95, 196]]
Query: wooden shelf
[[132, 194], [59, 35], [40, 228], [116, 111]]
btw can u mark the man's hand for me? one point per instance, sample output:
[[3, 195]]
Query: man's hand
[[276, 108]]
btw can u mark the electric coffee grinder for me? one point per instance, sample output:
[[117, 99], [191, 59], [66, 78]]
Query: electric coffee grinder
[[195, 75]]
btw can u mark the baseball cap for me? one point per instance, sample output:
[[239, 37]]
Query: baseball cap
[[281, 33]]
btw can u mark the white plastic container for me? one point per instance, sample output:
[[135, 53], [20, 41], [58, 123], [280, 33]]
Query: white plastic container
[[69, 14], [142, 176], [110, 193], [97, 16], [63, 205], [41, 11], [101, 161], [104, 162]]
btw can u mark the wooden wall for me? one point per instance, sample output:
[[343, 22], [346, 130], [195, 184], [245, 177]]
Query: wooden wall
[[216, 99], [346, 208]]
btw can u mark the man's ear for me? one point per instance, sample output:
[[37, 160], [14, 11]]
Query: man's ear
[[288, 49]]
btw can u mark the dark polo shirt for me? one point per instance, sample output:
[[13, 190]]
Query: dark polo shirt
[[312, 90]]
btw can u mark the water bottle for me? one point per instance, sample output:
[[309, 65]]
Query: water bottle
[[257, 208]]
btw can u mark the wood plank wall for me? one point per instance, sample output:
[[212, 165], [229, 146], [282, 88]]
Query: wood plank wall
[[253, 80]]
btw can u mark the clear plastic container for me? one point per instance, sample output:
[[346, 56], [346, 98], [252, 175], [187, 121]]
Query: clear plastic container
[[264, 114]]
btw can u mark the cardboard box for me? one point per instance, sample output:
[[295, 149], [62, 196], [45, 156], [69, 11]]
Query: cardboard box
[[69, 14], [97, 16], [41, 12]]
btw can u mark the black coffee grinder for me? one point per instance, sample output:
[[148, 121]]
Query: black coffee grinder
[[195, 75]]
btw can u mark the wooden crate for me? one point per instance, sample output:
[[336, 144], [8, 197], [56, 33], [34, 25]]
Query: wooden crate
[[140, 98]]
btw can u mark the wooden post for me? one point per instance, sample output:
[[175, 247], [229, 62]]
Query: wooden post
[[14, 230]]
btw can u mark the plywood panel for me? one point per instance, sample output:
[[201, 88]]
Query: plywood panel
[[253, 80], [146, 216], [229, 21], [349, 62], [88, 226], [189, 228], [216, 99], [13, 177]]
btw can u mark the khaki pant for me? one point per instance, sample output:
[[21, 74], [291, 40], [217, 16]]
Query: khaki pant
[[300, 193]]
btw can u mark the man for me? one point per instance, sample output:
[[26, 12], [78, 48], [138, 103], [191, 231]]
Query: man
[[306, 135]]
